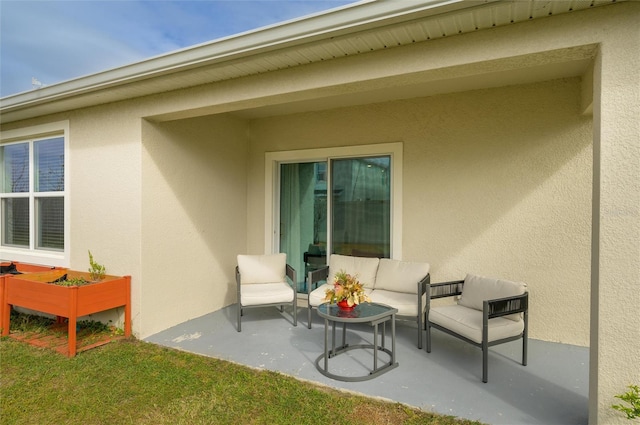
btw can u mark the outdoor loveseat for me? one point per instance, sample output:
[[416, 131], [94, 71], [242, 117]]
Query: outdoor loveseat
[[399, 284]]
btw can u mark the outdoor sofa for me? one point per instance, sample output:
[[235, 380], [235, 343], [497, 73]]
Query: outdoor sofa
[[398, 284]]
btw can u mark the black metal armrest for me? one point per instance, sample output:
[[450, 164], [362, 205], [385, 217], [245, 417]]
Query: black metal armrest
[[505, 306], [316, 276], [444, 289], [422, 285], [291, 274]]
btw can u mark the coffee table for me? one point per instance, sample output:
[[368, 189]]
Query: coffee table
[[372, 313]]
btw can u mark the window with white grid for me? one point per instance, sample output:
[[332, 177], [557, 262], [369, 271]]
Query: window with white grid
[[32, 196]]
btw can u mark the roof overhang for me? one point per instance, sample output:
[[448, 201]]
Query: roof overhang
[[350, 30]]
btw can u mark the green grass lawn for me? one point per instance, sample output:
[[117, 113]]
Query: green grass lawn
[[133, 382]]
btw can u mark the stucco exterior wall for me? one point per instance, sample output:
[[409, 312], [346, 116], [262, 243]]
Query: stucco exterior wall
[[616, 229], [193, 217], [104, 193], [496, 182]]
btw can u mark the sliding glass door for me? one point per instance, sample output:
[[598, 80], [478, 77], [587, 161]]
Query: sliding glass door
[[359, 205]]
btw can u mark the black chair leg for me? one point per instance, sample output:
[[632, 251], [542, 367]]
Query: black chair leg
[[485, 361]]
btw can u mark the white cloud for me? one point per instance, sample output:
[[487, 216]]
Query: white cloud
[[55, 41]]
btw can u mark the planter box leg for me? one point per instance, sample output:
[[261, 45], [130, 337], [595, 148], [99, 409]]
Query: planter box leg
[[73, 319], [127, 309]]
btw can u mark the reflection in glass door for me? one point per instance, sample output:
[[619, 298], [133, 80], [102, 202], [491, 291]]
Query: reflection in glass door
[[361, 206], [303, 216]]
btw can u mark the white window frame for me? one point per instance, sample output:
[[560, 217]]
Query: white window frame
[[272, 190], [32, 254]]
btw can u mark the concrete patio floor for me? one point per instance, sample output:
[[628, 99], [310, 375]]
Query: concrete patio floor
[[551, 389]]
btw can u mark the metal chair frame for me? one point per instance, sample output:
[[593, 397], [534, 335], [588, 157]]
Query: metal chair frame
[[291, 274], [491, 309]]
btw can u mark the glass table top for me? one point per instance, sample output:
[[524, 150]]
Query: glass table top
[[363, 312]]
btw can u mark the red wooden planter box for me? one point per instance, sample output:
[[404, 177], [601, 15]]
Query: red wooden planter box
[[33, 292], [22, 268]]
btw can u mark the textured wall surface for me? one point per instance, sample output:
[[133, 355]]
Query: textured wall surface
[[496, 182], [193, 217]]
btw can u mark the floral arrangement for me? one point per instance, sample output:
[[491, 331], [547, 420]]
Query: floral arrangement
[[346, 288]]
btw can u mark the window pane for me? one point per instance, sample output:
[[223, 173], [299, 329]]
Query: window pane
[[50, 216], [49, 165], [15, 222], [361, 200], [15, 168]]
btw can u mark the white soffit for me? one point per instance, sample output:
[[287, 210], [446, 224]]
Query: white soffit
[[350, 30]]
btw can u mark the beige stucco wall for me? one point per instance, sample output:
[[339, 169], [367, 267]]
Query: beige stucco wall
[[193, 217], [104, 192], [616, 210], [495, 182]]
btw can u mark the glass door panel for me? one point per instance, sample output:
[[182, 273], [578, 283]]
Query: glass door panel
[[361, 206], [303, 216]]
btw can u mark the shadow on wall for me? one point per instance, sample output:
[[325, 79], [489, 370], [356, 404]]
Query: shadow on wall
[[194, 212]]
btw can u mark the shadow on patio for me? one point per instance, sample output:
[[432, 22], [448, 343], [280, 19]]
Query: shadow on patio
[[551, 389]]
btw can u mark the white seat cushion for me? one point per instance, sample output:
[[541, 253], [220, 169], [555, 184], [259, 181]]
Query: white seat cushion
[[316, 297], [407, 304], [477, 289], [266, 293], [363, 268], [400, 276], [468, 323], [270, 268]]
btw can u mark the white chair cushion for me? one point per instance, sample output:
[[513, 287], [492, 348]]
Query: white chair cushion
[[270, 268], [407, 304], [468, 323], [266, 293], [363, 268], [316, 297], [400, 276], [477, 289]]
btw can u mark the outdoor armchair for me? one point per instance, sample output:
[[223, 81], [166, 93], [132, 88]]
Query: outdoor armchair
[[488, 312], [261, 281]]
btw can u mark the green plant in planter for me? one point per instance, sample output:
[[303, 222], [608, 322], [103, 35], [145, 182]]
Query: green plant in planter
[[96, 270], [72, 281], [632, 397]]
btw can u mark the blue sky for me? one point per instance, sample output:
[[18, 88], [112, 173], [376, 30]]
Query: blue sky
[[55, 41]]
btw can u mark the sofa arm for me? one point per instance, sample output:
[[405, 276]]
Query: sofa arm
[[506, 306], [316, 276], [291, 274], [444, 289]]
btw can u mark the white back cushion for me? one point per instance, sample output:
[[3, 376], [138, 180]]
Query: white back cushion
[[270, 268], [477, 289], [400, 276], [363, 268]]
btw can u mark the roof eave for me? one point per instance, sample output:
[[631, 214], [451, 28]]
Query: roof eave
[[347, 19]]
